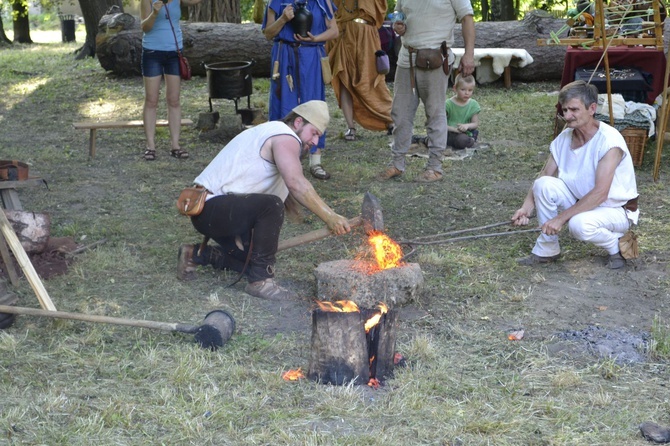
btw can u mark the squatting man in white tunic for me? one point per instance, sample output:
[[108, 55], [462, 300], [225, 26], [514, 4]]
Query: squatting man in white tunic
[[588, 183], [248, 183]]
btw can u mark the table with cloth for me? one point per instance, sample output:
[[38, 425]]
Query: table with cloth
[[647, 60], [491, 63]]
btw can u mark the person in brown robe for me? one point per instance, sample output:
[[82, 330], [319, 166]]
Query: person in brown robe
[[360, 91]]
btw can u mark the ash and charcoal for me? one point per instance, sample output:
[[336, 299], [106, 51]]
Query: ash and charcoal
[[622, 346]]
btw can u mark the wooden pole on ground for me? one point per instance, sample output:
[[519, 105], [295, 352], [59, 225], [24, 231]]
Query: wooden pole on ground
[[24, 262]]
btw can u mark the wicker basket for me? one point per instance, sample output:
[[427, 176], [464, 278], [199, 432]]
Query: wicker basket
[[636, 139]]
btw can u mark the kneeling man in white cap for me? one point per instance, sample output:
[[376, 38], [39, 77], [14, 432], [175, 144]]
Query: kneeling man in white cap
[[248, 183]]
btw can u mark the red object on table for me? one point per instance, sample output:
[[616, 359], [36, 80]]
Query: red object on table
[[649, 60]]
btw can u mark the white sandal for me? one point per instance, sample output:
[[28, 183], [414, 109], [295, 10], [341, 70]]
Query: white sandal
[[319, 172]]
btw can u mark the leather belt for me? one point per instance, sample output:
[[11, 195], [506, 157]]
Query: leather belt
[[364, 22]]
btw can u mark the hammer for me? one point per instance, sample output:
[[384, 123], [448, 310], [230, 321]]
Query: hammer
[[218, 326], [371, 219]]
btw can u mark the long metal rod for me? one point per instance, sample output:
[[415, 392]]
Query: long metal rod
[[467, 237], [460, 231]]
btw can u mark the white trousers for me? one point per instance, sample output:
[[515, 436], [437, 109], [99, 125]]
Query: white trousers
[[602, 226]]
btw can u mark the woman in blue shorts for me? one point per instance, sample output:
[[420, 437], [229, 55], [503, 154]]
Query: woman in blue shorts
[[159, 58]]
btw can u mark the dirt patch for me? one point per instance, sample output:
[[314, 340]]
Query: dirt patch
[[53, 261]]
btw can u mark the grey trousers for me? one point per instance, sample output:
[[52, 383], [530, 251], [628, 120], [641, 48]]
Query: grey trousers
[[431, 89]]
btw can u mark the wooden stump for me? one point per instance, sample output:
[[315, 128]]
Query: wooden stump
[[343, 352], [353, 280]]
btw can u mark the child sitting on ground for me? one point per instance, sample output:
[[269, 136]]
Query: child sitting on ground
[[462, 114]]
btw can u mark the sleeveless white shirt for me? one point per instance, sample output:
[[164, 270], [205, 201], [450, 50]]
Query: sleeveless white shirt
[[239, 167], [577, 168]]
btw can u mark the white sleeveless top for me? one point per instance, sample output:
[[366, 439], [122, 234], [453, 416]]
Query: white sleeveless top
[[239, 167], [577, 168]]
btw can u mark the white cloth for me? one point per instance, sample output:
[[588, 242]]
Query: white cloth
[[618, 106], [602, 226], [429, 23], [491, 62], [239, 167]]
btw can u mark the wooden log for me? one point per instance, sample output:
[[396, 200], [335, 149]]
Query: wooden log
[[120, 50], [339, 350], [342, 351], [382, 348]]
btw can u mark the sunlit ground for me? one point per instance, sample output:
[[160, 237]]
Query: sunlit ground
[[50, 36]]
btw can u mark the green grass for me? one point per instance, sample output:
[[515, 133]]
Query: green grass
[[73, 383]]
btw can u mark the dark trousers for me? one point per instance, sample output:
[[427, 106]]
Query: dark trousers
[[460, 141], [255, 219]]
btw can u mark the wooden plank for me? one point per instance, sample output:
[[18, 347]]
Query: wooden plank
[[123, 124], [10, 199], [94, 126], [22, 183], [24, 262], [598, 43]]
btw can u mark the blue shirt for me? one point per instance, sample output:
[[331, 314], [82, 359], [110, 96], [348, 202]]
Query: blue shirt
[[160, 36]]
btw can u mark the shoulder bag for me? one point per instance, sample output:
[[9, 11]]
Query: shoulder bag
[[184, 66]]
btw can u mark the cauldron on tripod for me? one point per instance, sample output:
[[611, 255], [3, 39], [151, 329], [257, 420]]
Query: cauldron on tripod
[[231, 80]]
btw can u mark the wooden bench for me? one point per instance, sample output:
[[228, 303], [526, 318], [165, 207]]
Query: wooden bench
[[94, 126]]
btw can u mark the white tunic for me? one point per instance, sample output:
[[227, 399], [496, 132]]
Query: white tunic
[[239, 167], [577, 168]]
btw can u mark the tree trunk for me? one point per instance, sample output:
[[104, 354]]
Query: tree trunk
[[4, 40], [505, 10], [120, 50], [227, 11], [547, 60], [485, 10], [21, 22], [92, 11]]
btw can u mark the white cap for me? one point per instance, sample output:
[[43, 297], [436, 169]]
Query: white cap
[[315, 112]]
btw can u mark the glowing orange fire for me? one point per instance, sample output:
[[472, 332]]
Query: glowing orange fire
[[341, 306], [387, 252], [293, 375], [374, 383], [349, 306], [374, 320]]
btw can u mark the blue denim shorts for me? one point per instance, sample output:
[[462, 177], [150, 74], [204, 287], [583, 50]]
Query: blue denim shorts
[[156, 63]]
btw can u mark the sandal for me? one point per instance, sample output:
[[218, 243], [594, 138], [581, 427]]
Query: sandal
[[350, 134], [149, 155], [179, 154], [319, 172]]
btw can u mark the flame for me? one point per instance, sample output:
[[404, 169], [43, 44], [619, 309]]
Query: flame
[[293, 375], [374, 383], [387, 252], [341, 306], [349, 306]]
